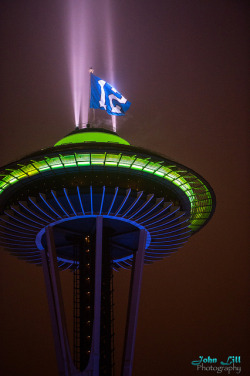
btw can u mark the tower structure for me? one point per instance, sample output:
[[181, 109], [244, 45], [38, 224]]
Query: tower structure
[[94, 203]]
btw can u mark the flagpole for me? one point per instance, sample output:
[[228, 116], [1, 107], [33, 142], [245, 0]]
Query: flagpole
[[91, 71], [113, 122]]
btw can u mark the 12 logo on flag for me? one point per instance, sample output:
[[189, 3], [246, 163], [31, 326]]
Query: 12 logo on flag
[[105, 97]]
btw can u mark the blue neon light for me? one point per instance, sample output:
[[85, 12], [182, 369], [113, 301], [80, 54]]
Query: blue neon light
[[13, 224], [67, 197], [172, 236], [134, 203], [42, 231], [10, 242], [168, 215], [40, 209], [20, 221], [49, 206], [166, 223], [142, 207], [31, 211], [123, 202], [175, 225], [112, 203], [103, 194], [23, 215], [7, 234], [171, 232], [158, 213], [169, 241], [11, 229], [80, 200], [59, 204]]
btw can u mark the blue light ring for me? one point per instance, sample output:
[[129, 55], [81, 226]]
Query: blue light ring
[[119, 217], [40, 234], [113, 261]]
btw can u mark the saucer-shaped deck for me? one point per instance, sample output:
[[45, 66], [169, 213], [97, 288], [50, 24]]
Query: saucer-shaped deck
[[94, 172]]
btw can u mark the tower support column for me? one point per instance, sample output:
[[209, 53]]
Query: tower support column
[[65, 363], [93, 366], [133, 305], [54, 295]]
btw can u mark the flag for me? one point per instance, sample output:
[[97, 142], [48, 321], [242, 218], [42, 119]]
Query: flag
[[106, 97]]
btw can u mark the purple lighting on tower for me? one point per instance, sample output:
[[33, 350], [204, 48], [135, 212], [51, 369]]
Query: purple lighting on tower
[[80, 57], [110, 51], [90, 40]]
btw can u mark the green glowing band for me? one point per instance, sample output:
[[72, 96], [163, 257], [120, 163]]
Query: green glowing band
[[196, 191], [91, 137]]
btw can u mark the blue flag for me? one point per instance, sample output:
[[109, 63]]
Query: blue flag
[[105, 97]]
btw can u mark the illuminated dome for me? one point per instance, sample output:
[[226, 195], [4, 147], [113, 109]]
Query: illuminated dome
[[91, 135]]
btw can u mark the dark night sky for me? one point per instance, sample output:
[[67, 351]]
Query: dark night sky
[[183, 65]]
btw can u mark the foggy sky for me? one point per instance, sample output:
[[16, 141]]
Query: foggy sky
[[183, 66]]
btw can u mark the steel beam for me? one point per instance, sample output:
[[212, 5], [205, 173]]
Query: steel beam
[[54, 295], [65, 363], [133, 305]]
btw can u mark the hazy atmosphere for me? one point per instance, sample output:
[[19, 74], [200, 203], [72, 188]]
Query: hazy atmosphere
[[183, 66]]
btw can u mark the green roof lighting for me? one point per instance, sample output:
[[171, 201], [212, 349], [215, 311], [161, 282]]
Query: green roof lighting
[[81, 137]]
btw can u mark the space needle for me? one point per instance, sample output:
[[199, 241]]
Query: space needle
[[93, 203]]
